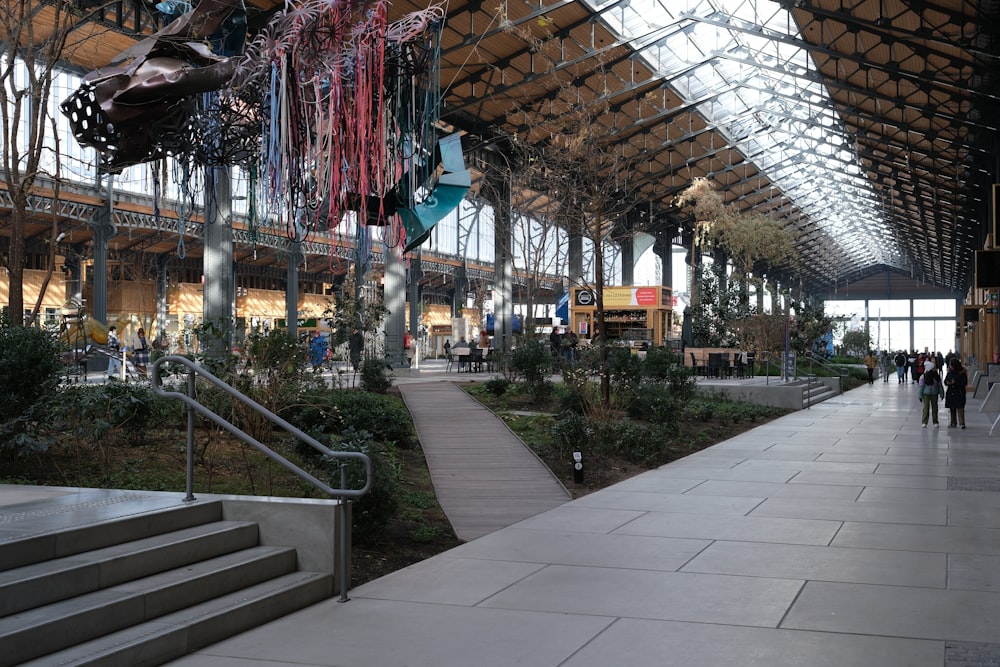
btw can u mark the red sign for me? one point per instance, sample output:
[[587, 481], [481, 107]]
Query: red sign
[[645, 296]]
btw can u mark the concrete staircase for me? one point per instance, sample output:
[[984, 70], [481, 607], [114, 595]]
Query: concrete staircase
[[815, 391], [144, 590]]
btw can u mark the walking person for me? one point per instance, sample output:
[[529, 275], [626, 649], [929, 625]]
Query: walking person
[[317, 351], [871, 361], [555, 348], [930, 389], [115, 348], [954, 395], [884, 365], [356, 346], [900, 361], [140, 352]]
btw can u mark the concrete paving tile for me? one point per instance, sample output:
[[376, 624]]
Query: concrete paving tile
[[580, 517], [447, 580], [592, 549], [778, 453], [967, 499], [865, 480], [974, 573], [639, 643], [689, 472], [746, 529], [638, 500], [940, 539], [399, 634], [936, 458], [896, 611], [865, 566], [657, 484], [710, 459], [771, 490], [942, 470], [811, 466], [674, 596], [857, 445], [803, 508], [978, 517]]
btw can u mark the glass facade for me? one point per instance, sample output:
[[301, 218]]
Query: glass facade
[[895, 324]]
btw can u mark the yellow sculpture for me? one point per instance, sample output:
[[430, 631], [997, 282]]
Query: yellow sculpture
[[78, 328]]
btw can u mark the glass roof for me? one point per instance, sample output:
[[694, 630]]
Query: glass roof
[[738, 63]]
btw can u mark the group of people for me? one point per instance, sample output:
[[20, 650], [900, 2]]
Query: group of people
[[951, 388], [562, 344], [140, 353], [937, 377], [319, 349]]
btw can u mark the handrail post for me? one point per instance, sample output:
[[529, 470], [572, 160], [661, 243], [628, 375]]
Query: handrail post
[[344, 543], [189, 484], [344, 494]]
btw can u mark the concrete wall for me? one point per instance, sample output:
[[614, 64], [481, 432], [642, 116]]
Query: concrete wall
[[777, 393], [308, 524]]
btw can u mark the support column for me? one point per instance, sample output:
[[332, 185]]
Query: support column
[[103, 231], [74, 274], [395, 304], [416, 273], [160, 332], [294, 257], [575, 261], [458, 294], [664, 249], [219, 296], [503, 266], [627, 245]]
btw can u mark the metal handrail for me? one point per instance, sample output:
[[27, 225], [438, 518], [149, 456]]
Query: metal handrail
[[837, 369], [343, 493]]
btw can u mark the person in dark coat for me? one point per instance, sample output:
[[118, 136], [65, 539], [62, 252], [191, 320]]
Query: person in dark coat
[[140, 352], [954, 394], [356, 346], [900, 361]]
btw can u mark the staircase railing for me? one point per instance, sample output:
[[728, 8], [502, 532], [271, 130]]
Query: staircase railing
[[343, 492], [837, 370]]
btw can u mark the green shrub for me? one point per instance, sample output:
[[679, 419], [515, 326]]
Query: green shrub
[[373, 511], [375, 375], [572, 432], [640, 443], [497, 386], [531, 361], [325, 412], [625, 367], [30, 368], [655, 403], [659, 364], [701, 408], [683, 385]]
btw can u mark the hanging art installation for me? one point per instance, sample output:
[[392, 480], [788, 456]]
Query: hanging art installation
[[331, 108]]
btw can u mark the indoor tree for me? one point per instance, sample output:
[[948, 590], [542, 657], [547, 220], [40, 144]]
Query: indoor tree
[[36, 36], [571, 160]]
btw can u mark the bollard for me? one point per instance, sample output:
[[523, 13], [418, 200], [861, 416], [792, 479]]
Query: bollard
[[578, 467]]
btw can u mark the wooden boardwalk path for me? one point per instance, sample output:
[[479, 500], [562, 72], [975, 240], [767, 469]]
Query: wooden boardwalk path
[[484, 476]]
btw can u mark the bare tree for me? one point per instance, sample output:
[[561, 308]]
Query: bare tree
[[35, 37], [533, 243], [572, 159]]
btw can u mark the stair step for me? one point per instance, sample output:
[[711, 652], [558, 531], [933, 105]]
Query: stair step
[[175, 635], [40, 584], [30, 634], [76, 539]]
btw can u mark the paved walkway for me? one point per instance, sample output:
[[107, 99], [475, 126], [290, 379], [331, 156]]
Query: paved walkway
[[840, 535], [484, 477]]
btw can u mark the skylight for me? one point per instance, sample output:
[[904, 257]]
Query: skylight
[[738, 63]]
